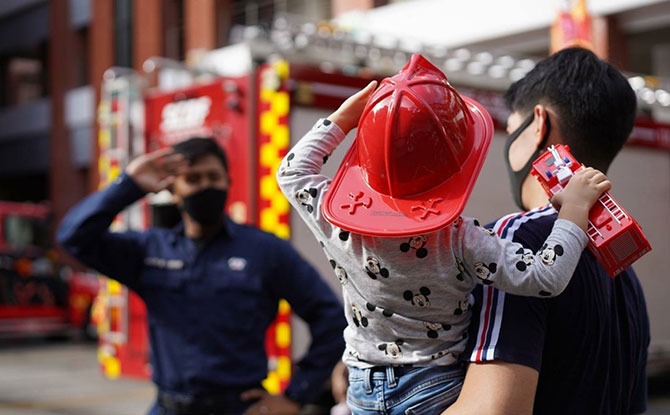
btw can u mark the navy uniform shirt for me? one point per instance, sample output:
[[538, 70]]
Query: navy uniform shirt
[[209, 307], [589, 343]]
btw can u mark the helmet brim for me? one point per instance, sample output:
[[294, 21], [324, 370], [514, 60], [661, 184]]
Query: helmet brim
[[351, 204]]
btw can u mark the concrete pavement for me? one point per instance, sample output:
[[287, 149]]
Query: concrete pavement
[[45, 378], [38, 377]]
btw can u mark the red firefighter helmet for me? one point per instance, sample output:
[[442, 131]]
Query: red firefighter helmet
[[418, 151]]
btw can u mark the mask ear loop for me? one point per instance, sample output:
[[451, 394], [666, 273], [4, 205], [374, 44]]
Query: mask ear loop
[[515, 134], [517, 177], [545, 138]]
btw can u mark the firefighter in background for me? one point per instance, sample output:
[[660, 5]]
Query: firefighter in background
[[390, 223], [584, 352], [211, 287]]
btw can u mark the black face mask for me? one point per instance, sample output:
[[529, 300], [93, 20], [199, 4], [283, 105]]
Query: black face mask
[[517, 177], [206, 206]]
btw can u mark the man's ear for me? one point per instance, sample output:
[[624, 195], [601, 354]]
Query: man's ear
[[541, 123]]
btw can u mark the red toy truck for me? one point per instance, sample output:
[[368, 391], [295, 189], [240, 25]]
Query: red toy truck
[[615, 238]]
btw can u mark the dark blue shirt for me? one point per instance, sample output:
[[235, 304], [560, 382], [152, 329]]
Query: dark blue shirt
[[589, 344], [209, 307]]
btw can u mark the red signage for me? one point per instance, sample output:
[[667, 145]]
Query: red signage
[[649, 133], [572, 26]]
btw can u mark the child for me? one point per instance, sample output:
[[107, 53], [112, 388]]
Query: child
[[390, 225]]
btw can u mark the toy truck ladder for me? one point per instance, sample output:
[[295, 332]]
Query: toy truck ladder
[[617, 213], [613, 209], [593, 232]]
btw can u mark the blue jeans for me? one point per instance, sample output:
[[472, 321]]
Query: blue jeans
[[403, 391]]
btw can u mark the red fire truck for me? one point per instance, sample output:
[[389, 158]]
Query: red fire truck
[[615, 237], [39, 296]]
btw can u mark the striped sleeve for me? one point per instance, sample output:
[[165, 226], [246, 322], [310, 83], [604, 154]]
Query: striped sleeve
[[504, 326]]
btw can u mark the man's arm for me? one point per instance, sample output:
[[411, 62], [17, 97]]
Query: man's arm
[[315, 302], [84, 232], [496, 388]]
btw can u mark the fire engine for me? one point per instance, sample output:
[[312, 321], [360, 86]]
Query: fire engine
[[615, 237], [39, 295]]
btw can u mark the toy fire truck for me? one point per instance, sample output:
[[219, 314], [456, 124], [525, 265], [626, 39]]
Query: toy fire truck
[[615, 238]]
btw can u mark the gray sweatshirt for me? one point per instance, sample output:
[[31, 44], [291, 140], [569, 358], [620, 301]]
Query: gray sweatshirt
[[407, 299]]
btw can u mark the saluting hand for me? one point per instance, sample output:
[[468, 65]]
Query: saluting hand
[[157, 170]]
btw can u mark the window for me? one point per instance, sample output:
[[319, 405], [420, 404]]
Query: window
[[24, 80], [22, 232], [173, 27]]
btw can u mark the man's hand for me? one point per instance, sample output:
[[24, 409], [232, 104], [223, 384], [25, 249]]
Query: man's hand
[[347, 115], [267, 404], [157, 170], [339, 380], [510, 390]]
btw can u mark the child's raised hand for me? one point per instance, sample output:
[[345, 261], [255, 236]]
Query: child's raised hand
[[581, 193], [347, 115]]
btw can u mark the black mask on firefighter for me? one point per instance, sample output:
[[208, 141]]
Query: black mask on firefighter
[[517, 177], [206, 206]]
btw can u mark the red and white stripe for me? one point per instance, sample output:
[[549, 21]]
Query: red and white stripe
[[493, 300]]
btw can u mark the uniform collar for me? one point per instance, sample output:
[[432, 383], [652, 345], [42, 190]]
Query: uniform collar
[[227, 230]]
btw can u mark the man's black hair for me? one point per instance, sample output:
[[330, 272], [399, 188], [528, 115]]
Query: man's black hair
[[195, 148], [594, 102]]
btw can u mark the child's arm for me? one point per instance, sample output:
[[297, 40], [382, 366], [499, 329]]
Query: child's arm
[[308, 155], [510, 267], [299, 175]]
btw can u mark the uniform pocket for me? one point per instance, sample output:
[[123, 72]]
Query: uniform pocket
[[240, 292]]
